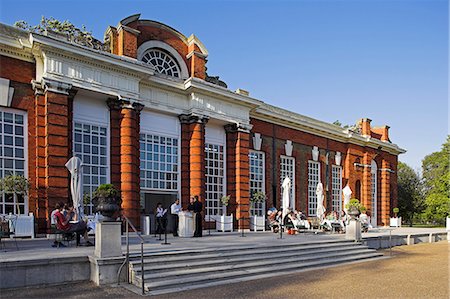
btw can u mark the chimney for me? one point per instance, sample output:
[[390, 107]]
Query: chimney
[[364, 124], [385, 133]]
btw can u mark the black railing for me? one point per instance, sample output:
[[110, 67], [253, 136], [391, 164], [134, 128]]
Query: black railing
[[127, 256]]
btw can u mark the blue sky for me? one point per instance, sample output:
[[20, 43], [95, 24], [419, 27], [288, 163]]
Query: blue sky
[[331, 60]]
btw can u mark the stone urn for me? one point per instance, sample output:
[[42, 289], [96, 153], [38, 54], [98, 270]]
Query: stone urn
[[108, 207], [107, 201], [354, 212]]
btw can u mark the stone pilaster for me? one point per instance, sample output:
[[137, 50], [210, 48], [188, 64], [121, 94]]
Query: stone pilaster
[[238, 142], [192, 156]]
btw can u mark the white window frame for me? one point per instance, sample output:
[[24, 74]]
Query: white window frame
[[24, 114], [257, 209], [177, 181], [336, 188], [210, 210], [83, 121], [283, 174], [374, 197], [312, 187]]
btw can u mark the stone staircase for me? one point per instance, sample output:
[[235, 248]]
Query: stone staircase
[[174, 271]]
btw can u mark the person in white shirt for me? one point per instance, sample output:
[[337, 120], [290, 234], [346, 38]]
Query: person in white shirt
[[161, 218], [175, 209]]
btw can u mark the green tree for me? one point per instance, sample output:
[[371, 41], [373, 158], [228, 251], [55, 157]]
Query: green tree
[[410, 193], [436, 177]]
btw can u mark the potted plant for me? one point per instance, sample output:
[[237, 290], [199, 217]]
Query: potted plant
[[353, 208], [225, 223], [258, 222], [395, 221], [18, 186], [106, 199]]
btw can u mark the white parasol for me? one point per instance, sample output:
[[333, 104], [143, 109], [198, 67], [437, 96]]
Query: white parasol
[[347, 194], [320, 208], [75, 167], [286, 195]]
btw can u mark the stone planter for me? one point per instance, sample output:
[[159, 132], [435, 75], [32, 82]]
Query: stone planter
[[108, 207], [448, 224], [224, 223], [396, 222], [258, 223], [353, 212]]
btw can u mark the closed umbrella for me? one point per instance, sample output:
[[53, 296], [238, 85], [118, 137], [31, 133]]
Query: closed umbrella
[[286, 195], [320, 208], [347, 194], [75, 166]]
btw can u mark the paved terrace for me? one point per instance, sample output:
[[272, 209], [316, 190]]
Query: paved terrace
[[40, 248]]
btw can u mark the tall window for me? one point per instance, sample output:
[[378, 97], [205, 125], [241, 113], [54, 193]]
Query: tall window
[[159, 162], [373, 216], [336, 186], [313, 180], [12, 156], [287, 169], [256, 161], [214, 160], [91, 146], [162, 62]]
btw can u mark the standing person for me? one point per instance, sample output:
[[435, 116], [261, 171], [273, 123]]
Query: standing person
[[191, 204], [197, 207], [175, 208], [160, 215]]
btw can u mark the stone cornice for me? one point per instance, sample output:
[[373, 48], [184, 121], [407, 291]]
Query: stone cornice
[[309, 125], [124, 63], [196, 84]]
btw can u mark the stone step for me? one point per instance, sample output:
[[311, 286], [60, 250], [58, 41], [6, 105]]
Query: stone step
[[191, 252], [224, 268], [223, 253], [220, 278], [244, 257]]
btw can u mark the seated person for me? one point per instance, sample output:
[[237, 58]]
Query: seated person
[[63, 223], [302, 221], [365, 221], [273, 219], [53, 222]]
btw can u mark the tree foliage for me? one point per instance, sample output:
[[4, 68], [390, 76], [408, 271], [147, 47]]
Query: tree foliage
[[410, 193], [436, 177]]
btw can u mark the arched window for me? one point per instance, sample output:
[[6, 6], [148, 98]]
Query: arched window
[[162, 62]]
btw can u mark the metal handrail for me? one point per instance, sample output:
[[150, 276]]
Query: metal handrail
[[127, 256]]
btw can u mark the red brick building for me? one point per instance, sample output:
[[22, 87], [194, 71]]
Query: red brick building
[[142, 114]]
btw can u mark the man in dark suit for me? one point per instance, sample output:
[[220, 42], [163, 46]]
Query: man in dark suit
[[197, 209]]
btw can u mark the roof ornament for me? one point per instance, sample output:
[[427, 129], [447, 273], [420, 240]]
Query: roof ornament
[[67, 31]]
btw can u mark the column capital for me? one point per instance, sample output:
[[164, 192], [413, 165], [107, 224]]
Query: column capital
[[193, 118], [117, 104], [37, 87], [50, 85], [239, 127]]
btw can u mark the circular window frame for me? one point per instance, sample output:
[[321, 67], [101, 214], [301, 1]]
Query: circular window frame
[[158, 45]]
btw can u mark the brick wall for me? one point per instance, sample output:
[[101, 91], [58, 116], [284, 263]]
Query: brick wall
[[274, 138]]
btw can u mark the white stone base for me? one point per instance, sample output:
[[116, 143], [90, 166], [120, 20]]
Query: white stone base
[[353, 230], [104, 270], [108, 242]]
